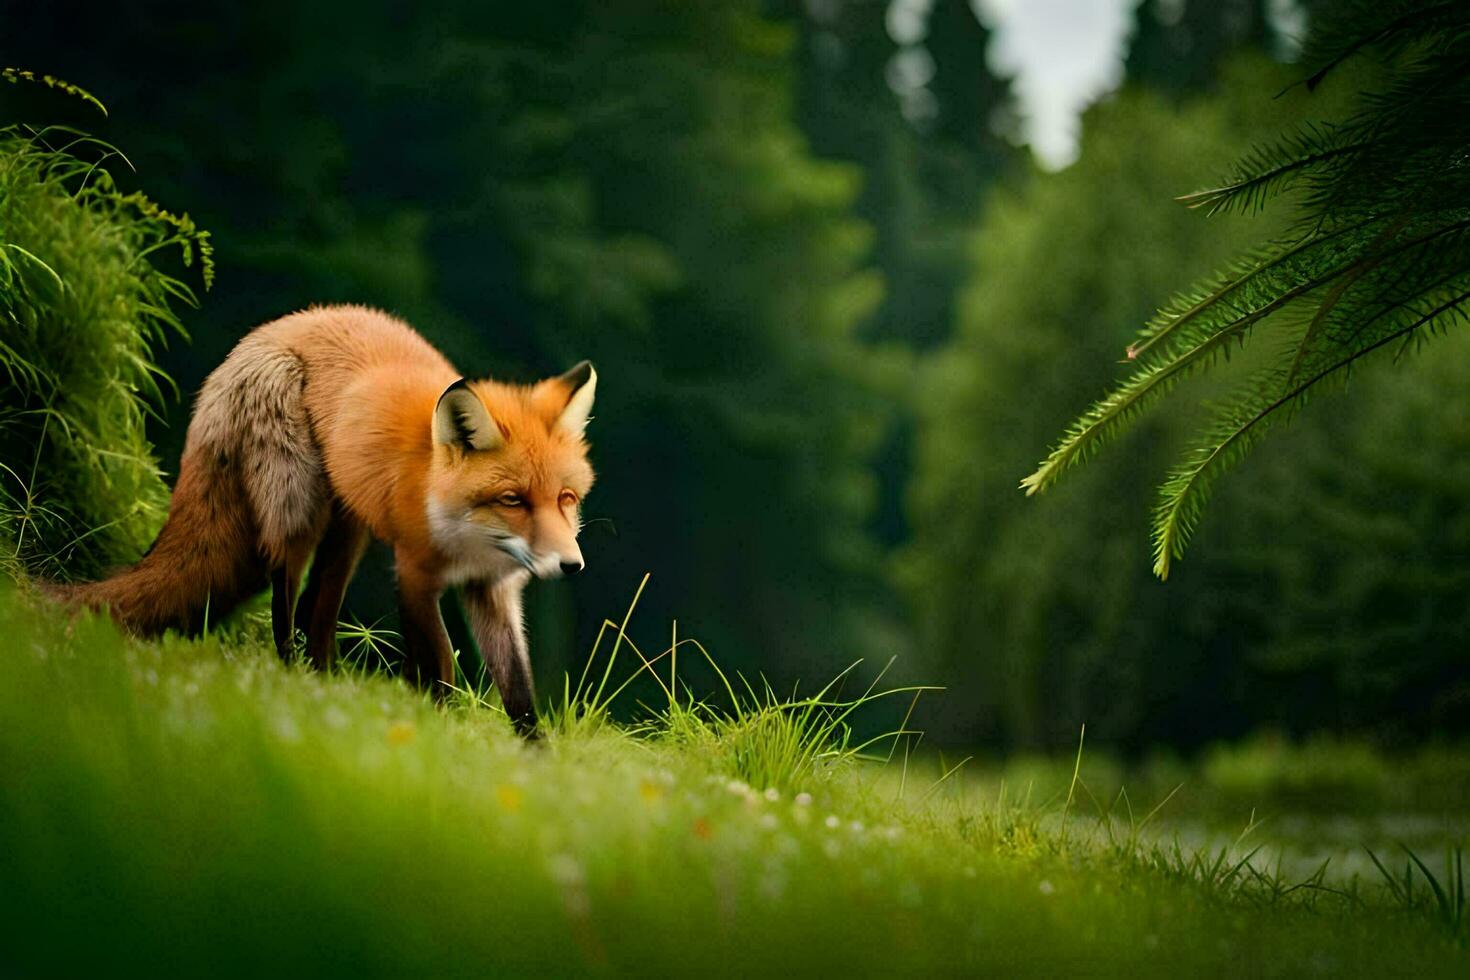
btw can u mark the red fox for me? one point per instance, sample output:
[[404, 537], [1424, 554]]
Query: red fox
[[338, 422]]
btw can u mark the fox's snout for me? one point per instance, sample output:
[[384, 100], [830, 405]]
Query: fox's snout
[[562, 562], [555, 562]]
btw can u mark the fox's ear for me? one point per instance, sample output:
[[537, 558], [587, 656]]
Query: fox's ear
[[581, 382], [461, 419]]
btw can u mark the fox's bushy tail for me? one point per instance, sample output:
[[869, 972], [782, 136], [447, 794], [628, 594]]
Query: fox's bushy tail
[[204, 563], [251, 489]]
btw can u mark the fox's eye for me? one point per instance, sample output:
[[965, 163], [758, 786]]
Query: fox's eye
[[510, 500]]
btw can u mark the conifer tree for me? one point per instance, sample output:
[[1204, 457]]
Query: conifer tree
[[1178, 46], [1377, 263]]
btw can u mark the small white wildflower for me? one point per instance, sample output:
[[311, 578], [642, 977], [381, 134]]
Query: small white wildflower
[[286, 728], [832, 822], [803, 799], [772, 795], [1046, 887], [737, 787], [565, 870], [856, 826], [768, 821]]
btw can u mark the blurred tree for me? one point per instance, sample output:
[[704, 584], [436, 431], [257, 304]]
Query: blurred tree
[[1357, 557], [1179, 46], [904, 91]]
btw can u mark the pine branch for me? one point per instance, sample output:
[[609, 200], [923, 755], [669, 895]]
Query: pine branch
[[1182, 497], [1402, 27], [1185, 308], [1268, 170], [1108, 417], [1335, 294]]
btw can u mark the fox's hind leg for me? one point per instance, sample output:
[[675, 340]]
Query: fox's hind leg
[[283, 611], [285, 587], [336, 561]]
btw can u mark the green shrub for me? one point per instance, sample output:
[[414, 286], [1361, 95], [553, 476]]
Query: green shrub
[[83, 306], [1321, 773]]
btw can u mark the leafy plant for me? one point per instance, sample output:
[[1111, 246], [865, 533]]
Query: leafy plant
[[84, 306], [1379, 259]]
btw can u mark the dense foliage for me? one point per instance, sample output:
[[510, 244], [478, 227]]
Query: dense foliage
[[84, 309]]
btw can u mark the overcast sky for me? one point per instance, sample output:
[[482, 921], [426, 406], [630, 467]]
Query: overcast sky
[[1063, 54]]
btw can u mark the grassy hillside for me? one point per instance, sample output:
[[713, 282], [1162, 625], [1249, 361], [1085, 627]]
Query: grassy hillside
[[195, 808]]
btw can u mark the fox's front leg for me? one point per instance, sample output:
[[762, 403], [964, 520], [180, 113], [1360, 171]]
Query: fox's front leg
[[430, 658], [494, 610]]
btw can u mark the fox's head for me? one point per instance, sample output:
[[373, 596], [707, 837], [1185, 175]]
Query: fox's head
[[509, 473]]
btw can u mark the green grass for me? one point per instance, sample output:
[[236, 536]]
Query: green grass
[[196, 808]]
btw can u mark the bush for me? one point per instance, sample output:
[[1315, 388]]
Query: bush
[[84, 308], [1320, 773]]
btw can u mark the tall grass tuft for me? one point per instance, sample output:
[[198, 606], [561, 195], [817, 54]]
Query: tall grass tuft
[[1443, 899], [83, 308], [759, 737]]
